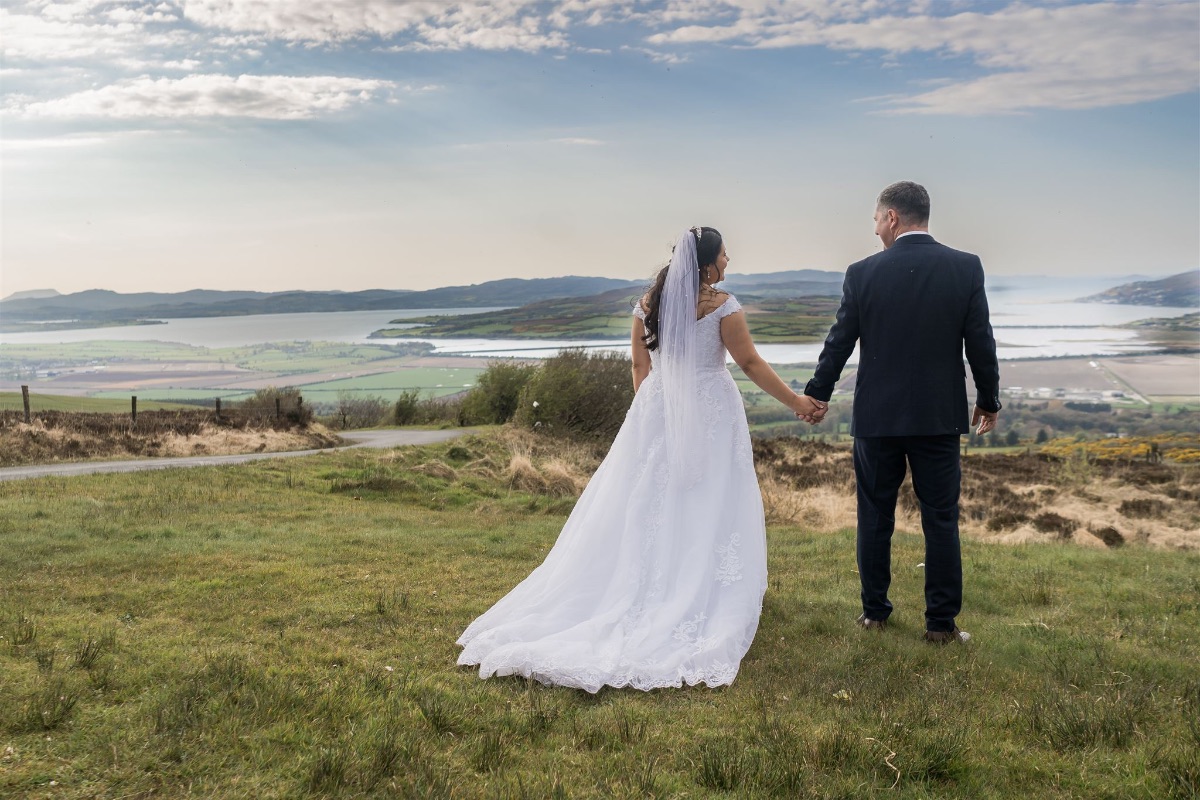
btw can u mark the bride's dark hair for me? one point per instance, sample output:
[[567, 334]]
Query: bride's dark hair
[[708, 247]]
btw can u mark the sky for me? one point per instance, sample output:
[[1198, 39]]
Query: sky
[[406, 144]]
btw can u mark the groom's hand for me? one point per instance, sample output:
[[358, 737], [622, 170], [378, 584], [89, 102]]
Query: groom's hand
[[811, 410], [983, 421]]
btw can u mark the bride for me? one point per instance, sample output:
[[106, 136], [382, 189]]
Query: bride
[[658, 576]]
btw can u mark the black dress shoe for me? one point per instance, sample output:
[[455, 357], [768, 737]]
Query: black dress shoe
[[871, 624], [946, 637]]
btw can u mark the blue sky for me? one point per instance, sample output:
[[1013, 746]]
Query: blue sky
[[351, 144]]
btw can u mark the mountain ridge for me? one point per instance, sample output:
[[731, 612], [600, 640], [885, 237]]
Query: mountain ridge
[[104, 305], [1181, 291]]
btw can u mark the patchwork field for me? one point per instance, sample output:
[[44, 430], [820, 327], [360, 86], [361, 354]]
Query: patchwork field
[[164, 372]]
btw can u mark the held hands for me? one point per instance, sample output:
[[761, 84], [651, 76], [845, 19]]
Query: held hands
[[985, 420], [809, 409]]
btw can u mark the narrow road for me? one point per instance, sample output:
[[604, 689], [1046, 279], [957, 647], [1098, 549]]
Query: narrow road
[[382, 439]]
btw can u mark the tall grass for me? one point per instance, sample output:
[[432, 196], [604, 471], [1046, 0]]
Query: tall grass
[[286, 629]]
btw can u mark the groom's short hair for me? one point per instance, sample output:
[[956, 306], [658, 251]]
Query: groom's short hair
[[909, 200]]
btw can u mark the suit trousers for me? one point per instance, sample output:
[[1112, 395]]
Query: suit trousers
[[879, 467]]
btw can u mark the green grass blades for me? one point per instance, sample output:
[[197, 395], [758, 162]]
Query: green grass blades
[[286, 629]]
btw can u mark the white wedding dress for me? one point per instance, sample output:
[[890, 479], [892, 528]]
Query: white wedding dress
[[656, 579]]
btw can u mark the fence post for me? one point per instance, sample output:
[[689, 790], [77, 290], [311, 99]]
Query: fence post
[[277, 411], [218, 408], [133, 411], [25, 401]]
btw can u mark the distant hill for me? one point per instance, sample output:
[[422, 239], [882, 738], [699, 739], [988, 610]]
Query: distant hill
[[772, 318], [1181, 291], [786, 289], [101, 305], [32, 293], [742, 283], [105, 304], [604, 315]]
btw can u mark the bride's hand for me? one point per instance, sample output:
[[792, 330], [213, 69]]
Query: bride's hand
[[809, 409]]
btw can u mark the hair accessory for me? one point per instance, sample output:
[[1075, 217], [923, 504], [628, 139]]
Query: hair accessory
[[699, 231]]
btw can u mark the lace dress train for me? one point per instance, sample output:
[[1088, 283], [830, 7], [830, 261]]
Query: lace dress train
[[657, 579]]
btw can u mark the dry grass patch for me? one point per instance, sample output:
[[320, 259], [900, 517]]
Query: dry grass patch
[[554, 467], [79, 436], [1008, 498]]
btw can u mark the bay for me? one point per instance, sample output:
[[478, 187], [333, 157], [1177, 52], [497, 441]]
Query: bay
[[253, 329], [1032, 318]]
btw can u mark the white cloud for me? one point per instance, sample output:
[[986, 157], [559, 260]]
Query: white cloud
[[658, 56], [1004, 56], [578, 140], [71, 36], [1071, 57], [1061, 56], [428, 24], [255, 96]]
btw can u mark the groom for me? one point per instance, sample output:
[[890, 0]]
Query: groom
[[912, 309]]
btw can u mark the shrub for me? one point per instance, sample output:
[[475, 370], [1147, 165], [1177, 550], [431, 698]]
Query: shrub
[[578, 394], [1089, 408], [407, 410], [291, 404], [441, 411], [359, 411], [494, 398]]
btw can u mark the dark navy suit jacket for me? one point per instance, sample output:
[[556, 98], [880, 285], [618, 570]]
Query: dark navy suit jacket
[[912, 308]]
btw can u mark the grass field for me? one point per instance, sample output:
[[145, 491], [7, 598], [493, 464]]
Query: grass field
[[597, 317], [608, 316], [789, 373], [286, 357], [431, 381], [167, 395], [302, 357], [120, 403], [286, 629], [87, 352]]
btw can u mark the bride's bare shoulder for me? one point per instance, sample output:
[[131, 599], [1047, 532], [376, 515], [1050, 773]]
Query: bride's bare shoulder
[[711, 300]]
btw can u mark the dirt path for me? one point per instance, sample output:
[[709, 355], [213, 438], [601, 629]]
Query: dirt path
[[381, 439]]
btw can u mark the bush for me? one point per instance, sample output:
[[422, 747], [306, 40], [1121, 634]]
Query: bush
[[291, 405], [494, 398], [580, 394], [359, 411], [443, 411], [413, 409], [407, 410]]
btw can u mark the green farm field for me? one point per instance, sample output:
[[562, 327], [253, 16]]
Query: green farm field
[[430, 381], [177, 395]]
